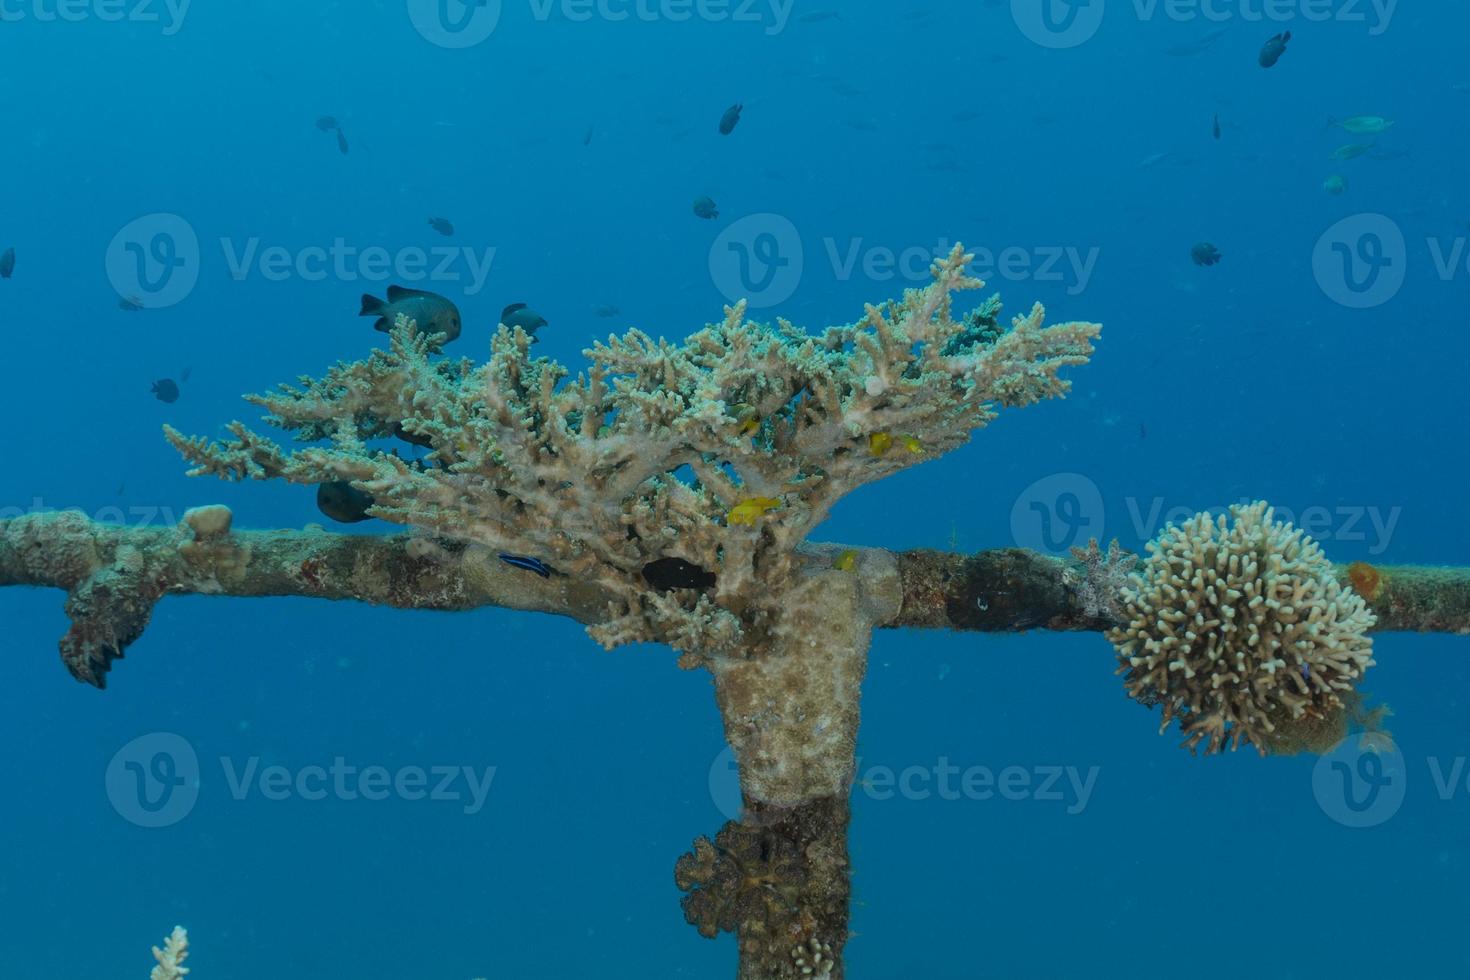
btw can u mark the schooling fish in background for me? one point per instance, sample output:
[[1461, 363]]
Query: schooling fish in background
[[342, 142], [605, 310], [521, 315], [730, 119], [432, 312], [7, 263], [1363, 125], [587, 138], [327, 123], [442, 226], [343, 502], [1217, 126], [1195, 47], [706, 208], [1273, 49], [166, 390], [130, 303]]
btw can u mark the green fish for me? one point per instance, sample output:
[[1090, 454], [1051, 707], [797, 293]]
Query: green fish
[[1335, 184], [1362, 125], [1352, 150], [432, 312]]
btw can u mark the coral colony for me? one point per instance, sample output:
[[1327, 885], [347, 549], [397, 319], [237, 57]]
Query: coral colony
[[666, 495]]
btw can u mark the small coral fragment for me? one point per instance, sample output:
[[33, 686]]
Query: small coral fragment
[[171, 957]]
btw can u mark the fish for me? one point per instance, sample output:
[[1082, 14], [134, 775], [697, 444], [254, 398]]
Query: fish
[[521, 315], [705, 207], [1195, 47], [327, 123], [1204, 253], [342, 142], [344, 503], [846, 561], [751, 510], [666, 574], [432, 312], [1217, 126], [1273, 49], [7, 263], [1152, 159], [442, 226], [130, 303], [729, 120], [1335, 184], [1363, 125], [1351, 150], [185, 375], [529, 564], [879, 443], [587, 137], [605, 310], [166, 390]]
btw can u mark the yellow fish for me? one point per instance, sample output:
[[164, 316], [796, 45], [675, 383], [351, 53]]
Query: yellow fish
[[846, 561], [912, 444], [879, 443], [750, 510]]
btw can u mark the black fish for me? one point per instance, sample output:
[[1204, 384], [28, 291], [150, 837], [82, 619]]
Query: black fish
[[166, 391], [442, 226], [521, 315], [342, 142], [130, 303], [676, 573], [432, 312], [605, 310], [730, 119], [529, 564], [7, 263], [1217, 125], [343, 502], [1204, 253], [587, 139], [706, 208], [1273, 49], [327, 123]]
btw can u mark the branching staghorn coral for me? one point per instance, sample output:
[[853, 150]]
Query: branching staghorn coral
[[721, 453], [1242, 631], [171, 957]]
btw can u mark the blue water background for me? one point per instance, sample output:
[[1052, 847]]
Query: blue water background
[[1210, 386]]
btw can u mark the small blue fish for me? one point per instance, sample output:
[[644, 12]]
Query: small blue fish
[[529, 564], [1306, 673]]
